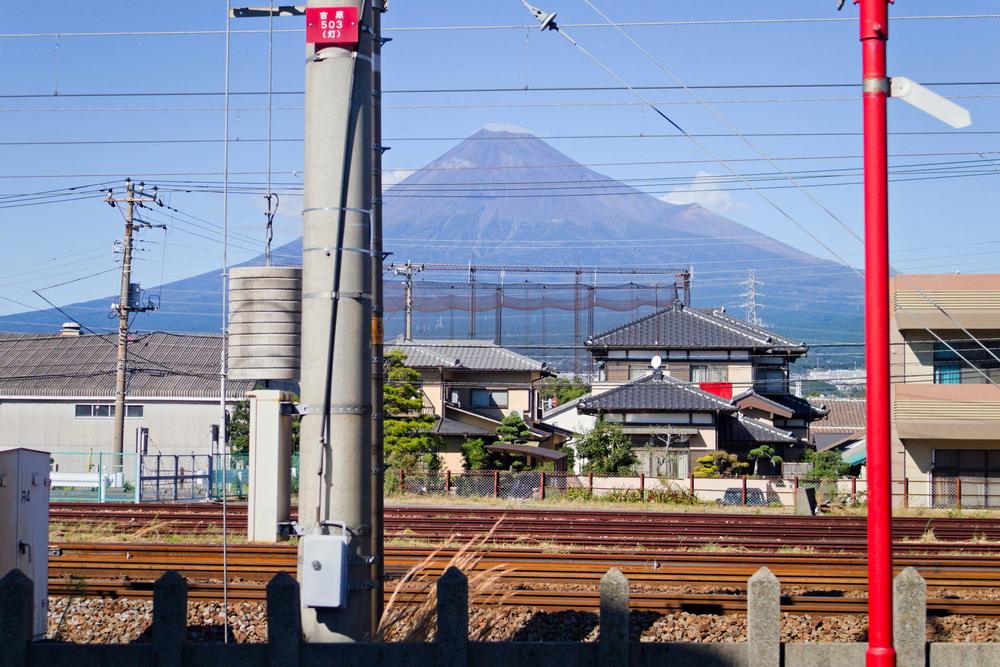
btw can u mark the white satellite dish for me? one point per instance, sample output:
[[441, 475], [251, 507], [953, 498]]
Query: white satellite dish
[[655, 362]]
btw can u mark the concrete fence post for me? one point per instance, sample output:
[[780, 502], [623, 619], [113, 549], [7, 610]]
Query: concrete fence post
[[452, 619], [16, 610], [613, 637], [909, 617], [496, 483], [170, 619], [284, 621], [763, 619]]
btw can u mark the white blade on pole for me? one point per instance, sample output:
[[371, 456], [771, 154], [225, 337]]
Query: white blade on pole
[[929, 102]]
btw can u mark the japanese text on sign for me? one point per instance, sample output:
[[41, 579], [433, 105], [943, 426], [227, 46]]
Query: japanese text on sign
[[332, 26]]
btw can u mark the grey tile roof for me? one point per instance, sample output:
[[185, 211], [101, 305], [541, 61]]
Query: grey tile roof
[[446, 426], [161, 365], [745, 429], [693, 329], [846, 415], [654, 392], [476, 355]]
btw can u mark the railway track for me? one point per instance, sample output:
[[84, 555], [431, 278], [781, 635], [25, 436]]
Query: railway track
[[586, 529], [819, 584]]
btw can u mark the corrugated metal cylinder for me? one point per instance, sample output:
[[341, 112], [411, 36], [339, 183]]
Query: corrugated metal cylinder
[[265, 322]]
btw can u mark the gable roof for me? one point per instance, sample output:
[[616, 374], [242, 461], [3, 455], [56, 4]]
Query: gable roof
[[790, 406], [681, 327], [472, 355], [745, 429], [161, 365], [845, 415], [654, 392]]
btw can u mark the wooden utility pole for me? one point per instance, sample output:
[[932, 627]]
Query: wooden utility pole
[[125, 305]]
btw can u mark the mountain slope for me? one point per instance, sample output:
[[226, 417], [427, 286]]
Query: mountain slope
[[510, 198]]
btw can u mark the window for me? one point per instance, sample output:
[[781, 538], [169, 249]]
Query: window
[[701, 418], [636, 372], [489, 398], [706, 373], [106, 410], [947, 373], [963, 360], [770, 380]]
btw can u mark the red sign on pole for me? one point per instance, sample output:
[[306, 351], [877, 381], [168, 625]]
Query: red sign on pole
[[332, 26]]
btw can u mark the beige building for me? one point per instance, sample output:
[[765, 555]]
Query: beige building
[[470, 385], [57, 392], [945, 355]]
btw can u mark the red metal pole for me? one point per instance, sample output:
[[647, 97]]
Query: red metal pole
[[874, 34], [542, 486], [447, 482], [590, 485], [743, 493], [642, 486]]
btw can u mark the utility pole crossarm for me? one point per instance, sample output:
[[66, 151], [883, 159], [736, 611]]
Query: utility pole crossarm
[[264, 12]]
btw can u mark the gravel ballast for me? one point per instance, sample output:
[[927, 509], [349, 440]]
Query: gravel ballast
[[105, 620]]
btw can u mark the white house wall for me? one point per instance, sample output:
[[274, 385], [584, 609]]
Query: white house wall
[[174, 427]]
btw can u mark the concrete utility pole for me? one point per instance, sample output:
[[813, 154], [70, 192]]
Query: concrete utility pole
[[125, 306], [336, 384]]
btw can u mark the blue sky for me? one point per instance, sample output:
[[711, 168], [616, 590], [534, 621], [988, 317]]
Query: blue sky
[[938, 224]]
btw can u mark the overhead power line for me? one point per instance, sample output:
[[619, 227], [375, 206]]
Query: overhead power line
[[509, 26]]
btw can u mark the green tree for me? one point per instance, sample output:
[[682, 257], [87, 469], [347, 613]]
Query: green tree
[[570, 457], [606, 449], [408, 440], [825, 465], [238, 428], [512, 429], [765, 452], [562, 389], [719, 464], [475, 455]]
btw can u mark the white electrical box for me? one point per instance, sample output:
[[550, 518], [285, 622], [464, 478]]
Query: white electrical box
[[24, 523], [323, 571]]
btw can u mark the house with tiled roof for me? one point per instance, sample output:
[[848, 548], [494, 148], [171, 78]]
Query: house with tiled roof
[[471, 385], [57, 392], [694, 380]]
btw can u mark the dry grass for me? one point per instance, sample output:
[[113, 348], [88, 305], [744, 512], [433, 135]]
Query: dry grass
[[154, 532], [418, 622]]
